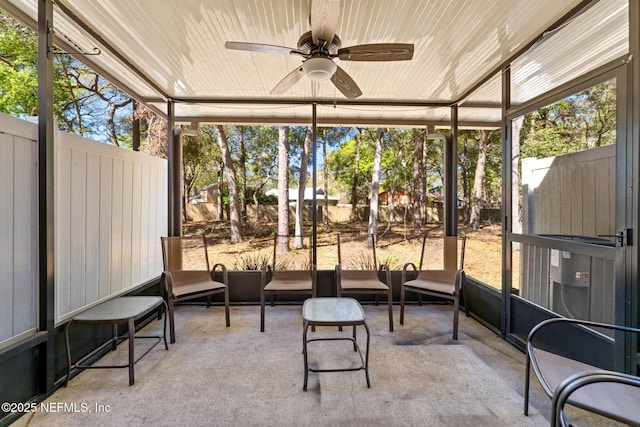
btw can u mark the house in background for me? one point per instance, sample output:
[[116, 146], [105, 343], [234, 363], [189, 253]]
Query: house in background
[[308, 196], [398, 198]]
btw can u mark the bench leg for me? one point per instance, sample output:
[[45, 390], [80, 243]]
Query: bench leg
[[132, 332], [68, 348]]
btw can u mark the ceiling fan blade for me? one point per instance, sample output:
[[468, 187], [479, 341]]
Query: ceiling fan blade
[[289, 80], [377, 52], [345, 84], [263, 48], [324, 19]]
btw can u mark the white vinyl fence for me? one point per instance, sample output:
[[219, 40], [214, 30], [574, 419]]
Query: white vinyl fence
[[18, 231], [110, 211]]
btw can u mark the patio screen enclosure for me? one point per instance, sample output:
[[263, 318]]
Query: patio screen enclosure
[[535, 258]]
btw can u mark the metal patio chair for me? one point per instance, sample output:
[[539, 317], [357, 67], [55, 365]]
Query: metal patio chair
[[284, 282], [448, 284], [569, 381], [365, 282], [184, 280]]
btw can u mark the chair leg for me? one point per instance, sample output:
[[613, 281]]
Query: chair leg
[[208, 301], [390, 302], [339, 295], [226, 305], [456, 310], [527, 370], [262, 311], [172, 326], [402, 304]]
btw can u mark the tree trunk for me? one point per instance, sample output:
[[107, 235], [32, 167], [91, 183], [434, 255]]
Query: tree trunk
[[478, 182], [258, 190], [298, 242], [325, 175], [516, 219], [356, 173], [392, 209], [417, 167], [220, 195], [135, 141], [464, 172], [375, 186], [230, 172], [283, 190], [243, 175], [423, 176]]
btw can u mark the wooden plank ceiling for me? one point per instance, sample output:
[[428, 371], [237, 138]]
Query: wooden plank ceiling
[[174, 49]]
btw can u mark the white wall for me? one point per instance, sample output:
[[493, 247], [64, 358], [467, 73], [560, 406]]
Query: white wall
[[110, 211]]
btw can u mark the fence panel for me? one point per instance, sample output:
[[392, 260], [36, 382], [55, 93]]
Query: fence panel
[[110, 214], [18, 231]]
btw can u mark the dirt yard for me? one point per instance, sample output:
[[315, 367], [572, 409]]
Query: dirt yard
[[395, 248]]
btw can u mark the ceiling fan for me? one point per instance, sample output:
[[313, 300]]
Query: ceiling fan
[[321, 45]]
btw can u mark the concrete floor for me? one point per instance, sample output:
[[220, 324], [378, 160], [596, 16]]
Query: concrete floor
[[218, 376]]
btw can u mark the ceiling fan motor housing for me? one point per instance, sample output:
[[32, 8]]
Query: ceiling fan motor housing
[[305, 44]]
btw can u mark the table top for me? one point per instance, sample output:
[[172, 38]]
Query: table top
[[333, 311], [119, 309]]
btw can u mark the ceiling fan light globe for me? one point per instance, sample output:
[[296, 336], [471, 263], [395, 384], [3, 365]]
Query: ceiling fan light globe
[[319, 68]]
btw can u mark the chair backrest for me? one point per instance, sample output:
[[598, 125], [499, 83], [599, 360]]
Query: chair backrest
[[370, 238], [462, 241], [173, 252]]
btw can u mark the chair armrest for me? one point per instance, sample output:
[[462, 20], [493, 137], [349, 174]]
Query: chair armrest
[[225, 273], [580, 322], [564, 391], [404, 271], [385, 268]]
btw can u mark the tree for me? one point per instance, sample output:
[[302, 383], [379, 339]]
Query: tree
[[201, 156], [230, 173], [418, 167], [476, 195], [579, 122], [243, 174], [375, 185], [283, 190], [330, 137], [356, 175], [302, 183], [154, 129], [83, 102], [261, 144]]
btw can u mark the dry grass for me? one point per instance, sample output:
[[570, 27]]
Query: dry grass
[[395, 248]]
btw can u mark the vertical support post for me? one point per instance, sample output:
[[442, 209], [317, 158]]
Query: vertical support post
[[46, 243], [632, 254], [174, 166], [314, 201], [506, 202], [451, 194]]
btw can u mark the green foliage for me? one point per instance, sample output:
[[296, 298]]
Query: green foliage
[[18, 68], [83, 102], [201, 158], [579, 122], [263, 199]]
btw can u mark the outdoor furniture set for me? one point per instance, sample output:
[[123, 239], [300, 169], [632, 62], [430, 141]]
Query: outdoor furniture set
[[564, 379]]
